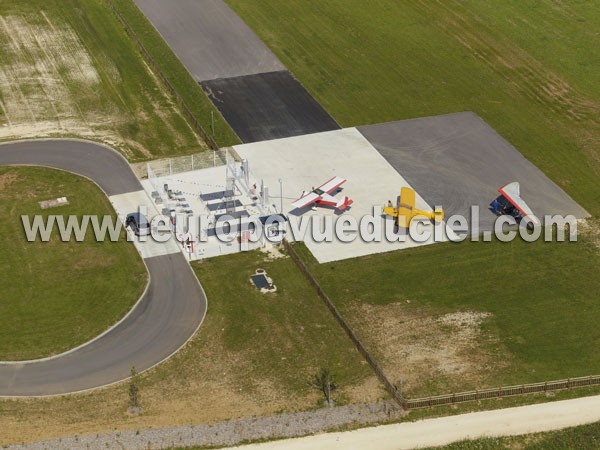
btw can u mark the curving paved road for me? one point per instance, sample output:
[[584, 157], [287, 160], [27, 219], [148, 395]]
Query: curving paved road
[[163, 320]]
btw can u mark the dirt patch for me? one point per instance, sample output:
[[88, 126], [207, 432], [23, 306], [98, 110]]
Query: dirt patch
[[429, 352], [233, 432], [39, 63], [52, 85], [590, 230], [273, 252], [6, 179], [45, 76]]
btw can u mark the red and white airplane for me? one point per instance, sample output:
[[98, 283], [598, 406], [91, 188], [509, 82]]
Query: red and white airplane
[[322, 196]]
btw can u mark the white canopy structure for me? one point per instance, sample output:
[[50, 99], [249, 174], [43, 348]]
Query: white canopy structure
[[512, 193]]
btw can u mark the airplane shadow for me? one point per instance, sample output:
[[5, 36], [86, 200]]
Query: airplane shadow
[[301, 211]]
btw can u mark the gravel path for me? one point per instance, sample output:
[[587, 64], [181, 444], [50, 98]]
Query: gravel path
[[227, 433], [445, 430]]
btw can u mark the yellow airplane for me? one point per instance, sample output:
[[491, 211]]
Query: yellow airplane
[[405, 210]]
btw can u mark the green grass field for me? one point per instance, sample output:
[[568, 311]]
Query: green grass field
[[543, 299], [530, 69], [70, 69], [58, 295], [585, 437], [285, 337]]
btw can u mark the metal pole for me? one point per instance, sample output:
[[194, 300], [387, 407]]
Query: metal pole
[[280, 196]]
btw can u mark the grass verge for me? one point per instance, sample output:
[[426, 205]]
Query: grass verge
[[57, 295], [177, 74]]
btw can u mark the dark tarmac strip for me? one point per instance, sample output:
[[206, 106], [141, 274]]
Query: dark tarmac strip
[[246, 82], [458, 160], [105, 167], [164, 319], [268, 106]]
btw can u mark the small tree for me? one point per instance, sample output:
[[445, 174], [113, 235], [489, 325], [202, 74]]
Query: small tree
[[325, 382], [134, 400]]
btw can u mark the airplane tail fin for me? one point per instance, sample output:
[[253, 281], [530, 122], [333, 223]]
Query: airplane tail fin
[[343, 203]]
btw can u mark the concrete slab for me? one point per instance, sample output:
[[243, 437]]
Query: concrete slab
[[125, 204], [209, 38], [457, 160], [306, 161], [268, 106]]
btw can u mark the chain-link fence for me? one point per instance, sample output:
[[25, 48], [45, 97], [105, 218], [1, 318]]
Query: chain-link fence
[[170, 166]]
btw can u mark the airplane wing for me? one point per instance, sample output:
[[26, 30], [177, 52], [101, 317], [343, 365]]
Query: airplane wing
[[339, 203], [305, 200], [407, 199], [330, 186], [406, 205], [512, 192]]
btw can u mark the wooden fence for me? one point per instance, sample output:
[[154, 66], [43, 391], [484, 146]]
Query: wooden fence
[[338, 317], [186, 110], [438, 400], [461, 397]]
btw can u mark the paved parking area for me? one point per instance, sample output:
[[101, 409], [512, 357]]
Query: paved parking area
[[304, 162], [458, 160], [125, 204]]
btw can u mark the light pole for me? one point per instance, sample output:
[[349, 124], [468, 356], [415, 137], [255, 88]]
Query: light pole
[[281, 196]]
